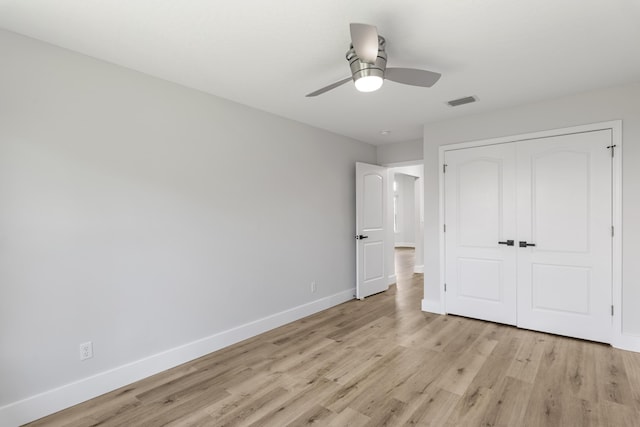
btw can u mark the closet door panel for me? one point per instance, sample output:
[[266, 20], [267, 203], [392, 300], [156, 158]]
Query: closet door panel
[[564, 209], [479, 213]]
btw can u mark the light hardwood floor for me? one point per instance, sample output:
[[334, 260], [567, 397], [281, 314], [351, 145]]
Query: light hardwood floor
[[382, 361]]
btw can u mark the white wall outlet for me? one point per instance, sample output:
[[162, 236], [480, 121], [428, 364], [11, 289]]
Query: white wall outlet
[[86, 350], [314, 287]]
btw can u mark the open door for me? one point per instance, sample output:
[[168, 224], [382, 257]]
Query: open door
[[371, 196]]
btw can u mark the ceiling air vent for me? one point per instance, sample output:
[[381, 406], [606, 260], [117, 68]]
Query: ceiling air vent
[[462, 101]]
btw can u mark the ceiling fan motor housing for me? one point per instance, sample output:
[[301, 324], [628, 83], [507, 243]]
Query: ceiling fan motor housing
[[360, 68]]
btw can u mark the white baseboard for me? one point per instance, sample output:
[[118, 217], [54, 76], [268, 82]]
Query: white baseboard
[[627, 342], [392, 279], [418, 268], [431, 307], [40, 405]]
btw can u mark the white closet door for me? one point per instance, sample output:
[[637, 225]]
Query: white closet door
[[480, 203], [564, 208]]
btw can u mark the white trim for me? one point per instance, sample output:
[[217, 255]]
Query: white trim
[[418, 268], [403, 164], [629, 342], [432, 307], [441, 176], [392, 279], [441, 236], [612, 124], [40, 405], [618, 338]]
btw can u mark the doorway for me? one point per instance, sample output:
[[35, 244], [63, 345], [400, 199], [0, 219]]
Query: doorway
[[404, 210], [405, 207]]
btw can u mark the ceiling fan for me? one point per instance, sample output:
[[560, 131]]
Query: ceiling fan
[[368, 61]]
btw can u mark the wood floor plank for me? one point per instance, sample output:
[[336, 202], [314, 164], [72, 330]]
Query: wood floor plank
[[613, 415], [245, 411], [613, 376], [196, 419], [421, 382], [433, 408], [388, 413], [582, 370], [349, 418], [359, 360], [471, 407], [632, 368], [302, 400], [524, 366], [463, 369], [382, 361], [396, 375], [509, 403], [466, 334], [547, 402], [491, 374], [360, 383], [318, 415], [175, 408], [440, 333], [580, 413], [188, 384]]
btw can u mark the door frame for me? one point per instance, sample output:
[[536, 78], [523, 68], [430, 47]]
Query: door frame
[[617, 338]]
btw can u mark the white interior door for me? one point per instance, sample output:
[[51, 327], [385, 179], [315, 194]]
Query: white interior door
[[564, 209], [371, 196], [552, 196], [480, 202]]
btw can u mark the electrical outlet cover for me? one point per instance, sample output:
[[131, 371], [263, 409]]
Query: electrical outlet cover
[[86, 350]]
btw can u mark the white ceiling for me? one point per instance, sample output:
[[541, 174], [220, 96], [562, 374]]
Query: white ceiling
[[269, 54]]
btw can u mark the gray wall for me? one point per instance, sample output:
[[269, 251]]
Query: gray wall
[[598, 106], [399, 152], [120, 222]]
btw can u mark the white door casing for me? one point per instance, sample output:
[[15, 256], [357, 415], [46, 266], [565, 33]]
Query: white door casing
[[371, 196], [563, 191], [479, 201], [564, 208]]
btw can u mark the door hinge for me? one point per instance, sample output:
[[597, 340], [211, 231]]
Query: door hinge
[[613, 148], [444, 228], [445, 287], [612, 310], [613, 231], [444, 168]]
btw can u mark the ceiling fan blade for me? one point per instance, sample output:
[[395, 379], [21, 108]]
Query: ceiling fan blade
[[412, 76], [364, 38], [328, 88]]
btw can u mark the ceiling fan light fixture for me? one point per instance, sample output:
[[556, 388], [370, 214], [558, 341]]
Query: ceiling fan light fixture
[[368, 63], [369, 83]]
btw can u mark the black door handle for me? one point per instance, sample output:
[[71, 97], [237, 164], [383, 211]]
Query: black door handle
[[508, 243], [360, 237], [524, 244]]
